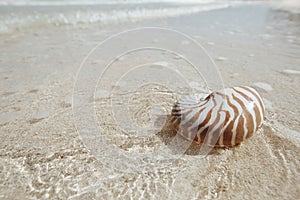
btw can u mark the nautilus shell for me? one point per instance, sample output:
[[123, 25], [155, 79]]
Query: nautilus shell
[[223, 118]]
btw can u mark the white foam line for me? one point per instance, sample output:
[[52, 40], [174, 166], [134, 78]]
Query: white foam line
[[95, 2]]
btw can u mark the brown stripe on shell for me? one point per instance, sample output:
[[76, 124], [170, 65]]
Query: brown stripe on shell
[[258, 98]]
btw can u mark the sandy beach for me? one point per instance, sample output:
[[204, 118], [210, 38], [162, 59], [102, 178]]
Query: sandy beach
[[51, 149]]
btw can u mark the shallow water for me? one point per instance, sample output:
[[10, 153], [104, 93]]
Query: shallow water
[[43, 154]]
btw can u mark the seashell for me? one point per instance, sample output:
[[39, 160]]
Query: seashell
[[223, 118]]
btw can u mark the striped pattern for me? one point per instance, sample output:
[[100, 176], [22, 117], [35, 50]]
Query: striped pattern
[[223, 118]]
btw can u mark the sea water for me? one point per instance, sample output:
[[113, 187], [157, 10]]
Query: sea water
[[15, 15]]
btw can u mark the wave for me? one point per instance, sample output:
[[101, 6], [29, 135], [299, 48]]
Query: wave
[[292, 6], [96, 2], [40, 13]]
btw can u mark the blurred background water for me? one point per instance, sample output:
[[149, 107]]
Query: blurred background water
[[20, 14]]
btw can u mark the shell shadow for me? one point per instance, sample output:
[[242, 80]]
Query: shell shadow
[[168, 135]]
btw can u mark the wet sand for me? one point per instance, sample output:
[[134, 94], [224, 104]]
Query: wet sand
[[42, 154]]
